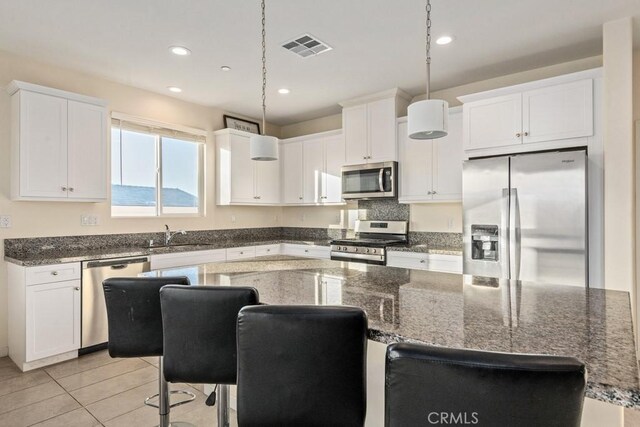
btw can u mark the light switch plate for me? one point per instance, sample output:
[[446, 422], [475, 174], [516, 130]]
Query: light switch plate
[[5, 221], [87, 219]]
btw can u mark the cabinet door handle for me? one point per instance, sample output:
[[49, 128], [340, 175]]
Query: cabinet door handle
[[54, 273], [422, 261], [526, 134], [300, 198], [518, 135], [364, 157], [77, 288], [306, 250], [71, 189], [429, 192], [64, 188], [433, 192]]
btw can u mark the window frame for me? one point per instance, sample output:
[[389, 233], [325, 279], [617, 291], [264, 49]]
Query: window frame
[[157, 129]]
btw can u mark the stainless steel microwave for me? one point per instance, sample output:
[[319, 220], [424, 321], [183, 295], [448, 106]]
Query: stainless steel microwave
[[370, 181]]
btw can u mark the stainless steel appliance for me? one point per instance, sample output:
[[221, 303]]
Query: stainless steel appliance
[[94, 311], [370, 181], [525, 217], [369, 245]]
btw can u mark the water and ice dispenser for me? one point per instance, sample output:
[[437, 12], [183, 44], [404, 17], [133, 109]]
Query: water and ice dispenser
[[485, 242]]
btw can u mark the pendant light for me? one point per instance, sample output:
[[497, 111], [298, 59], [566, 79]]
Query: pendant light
[[263, 147], [428, 119]]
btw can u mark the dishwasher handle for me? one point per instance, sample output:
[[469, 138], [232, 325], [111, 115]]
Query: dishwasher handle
[[116, 264]]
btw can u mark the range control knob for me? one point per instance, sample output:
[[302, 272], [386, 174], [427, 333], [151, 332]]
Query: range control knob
[[367, 250]]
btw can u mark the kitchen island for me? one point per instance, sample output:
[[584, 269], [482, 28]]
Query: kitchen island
[[457, 311]]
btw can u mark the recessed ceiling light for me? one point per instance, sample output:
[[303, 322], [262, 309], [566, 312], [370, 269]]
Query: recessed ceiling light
[[444, 40], [180, 50], [283, 91], [225, 68], [174, 89]]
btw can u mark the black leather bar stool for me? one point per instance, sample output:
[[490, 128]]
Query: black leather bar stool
[[200, 336], [135, 328], [302, 366], [434, 385]]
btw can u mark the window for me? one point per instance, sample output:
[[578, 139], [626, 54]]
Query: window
[[155, 171]]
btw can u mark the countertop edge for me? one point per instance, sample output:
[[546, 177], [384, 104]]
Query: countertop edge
[[134, 251]]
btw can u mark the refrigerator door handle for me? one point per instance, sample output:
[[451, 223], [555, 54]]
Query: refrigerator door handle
[[504, 238], [514, 235]]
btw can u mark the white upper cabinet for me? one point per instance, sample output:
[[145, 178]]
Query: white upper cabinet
[[311, 169], [546, 114], [369, 125], [558, 112], [291, 167], [240, 180], [87, 172], [494, 122], [355, 125], [332, 174], [59, 145], [431, 170]]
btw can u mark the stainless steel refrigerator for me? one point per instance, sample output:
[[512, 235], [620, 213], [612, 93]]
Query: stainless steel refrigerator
[[525, 217]]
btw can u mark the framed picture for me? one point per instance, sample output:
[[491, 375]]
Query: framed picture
[[241, 124]]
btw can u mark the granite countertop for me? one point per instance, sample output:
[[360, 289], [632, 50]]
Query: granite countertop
[[457, 311], [60, 256], [425, 249]]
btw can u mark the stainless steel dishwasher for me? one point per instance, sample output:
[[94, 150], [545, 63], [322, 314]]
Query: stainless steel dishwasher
[[95, 331]]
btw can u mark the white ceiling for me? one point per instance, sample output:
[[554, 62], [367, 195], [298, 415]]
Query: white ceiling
[[378, 44]]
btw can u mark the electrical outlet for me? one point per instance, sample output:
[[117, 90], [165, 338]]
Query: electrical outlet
[[87, 219], [5, 221]]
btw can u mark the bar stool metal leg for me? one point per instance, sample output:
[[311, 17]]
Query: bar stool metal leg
[[164, 403], [223, 405]]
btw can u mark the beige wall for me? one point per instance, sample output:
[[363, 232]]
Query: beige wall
[[321, 124], [619, 157], [53, 219]]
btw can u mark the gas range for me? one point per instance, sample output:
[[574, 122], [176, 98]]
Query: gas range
[[372, 239]]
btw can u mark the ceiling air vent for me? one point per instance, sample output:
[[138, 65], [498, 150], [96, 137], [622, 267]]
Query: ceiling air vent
[[306, 45]]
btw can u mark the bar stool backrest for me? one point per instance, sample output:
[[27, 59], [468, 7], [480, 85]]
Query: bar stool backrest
[[302, 366], [434, 385], [133, 314], [200, 332]]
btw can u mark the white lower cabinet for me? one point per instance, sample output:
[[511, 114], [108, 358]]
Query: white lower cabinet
[[182, 259], [53, 319], [44, 315], [241, 253], [425, 261], [266, 250], [309, 251]]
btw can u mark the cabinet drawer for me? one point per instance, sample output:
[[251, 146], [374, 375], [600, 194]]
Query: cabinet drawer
[[309, 251], [52, 273], [187, 258], [265, 250], [423, 261], [241, 253]]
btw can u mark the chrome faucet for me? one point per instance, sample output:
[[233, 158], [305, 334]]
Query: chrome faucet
[[168, 234]]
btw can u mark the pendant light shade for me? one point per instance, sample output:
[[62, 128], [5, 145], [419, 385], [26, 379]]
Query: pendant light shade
[[263, 147], [428, 119]]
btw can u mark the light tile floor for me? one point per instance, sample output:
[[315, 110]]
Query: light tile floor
[[93, 390], [97, 390]]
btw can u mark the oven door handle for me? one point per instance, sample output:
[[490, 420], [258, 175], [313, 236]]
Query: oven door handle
[[380, 182]]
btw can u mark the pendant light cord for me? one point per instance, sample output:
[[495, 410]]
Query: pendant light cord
[[428, 49], [264, 71]]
